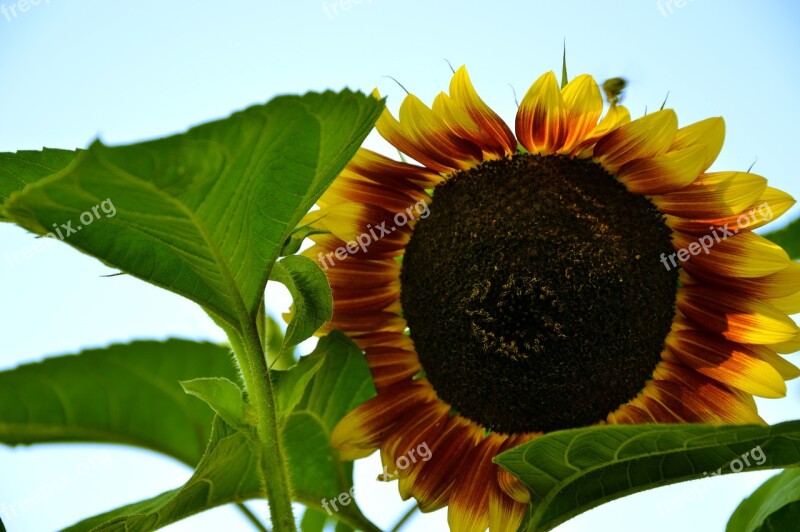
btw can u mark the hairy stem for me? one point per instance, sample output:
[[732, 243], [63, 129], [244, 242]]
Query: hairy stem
[[274, 470]]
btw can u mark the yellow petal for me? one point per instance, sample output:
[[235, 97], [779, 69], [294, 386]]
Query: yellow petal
[[584, 105], [648, 136], [771, 205], [541, 117], [736, 318], [666, 173], [616, 116], [430, 134], [744, 255], [709, 133], [715, 195], [495, 133], [727, 362]]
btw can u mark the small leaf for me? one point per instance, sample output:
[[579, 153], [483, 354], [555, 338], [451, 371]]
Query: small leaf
[[788, 238], [571, 471], [313, 303], [295, 240], [126, 394], [222, 395], [19, 169], [775, 505]]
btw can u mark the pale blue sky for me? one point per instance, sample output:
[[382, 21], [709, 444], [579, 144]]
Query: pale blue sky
[[126, 71]]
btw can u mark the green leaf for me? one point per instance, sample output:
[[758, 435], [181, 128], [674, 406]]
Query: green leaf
[[313, 520], [775, 505], [788, 238], [204, 213], [343, 527], [274, 335], [222, 395], [274, 340], [227, 473], [571, 471], [290, 385], [23, 167], [311, 294], [341, 384], [126, 394]]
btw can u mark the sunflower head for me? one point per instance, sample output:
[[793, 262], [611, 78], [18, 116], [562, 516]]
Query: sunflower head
[[584, 269]]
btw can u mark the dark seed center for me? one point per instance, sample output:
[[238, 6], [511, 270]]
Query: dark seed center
[[535, 295]]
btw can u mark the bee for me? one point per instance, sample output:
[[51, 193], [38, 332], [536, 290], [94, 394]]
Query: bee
[[613, 88]]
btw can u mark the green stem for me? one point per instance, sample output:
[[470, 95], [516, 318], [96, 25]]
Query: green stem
[[251, 517], [274, 470], [405, 518]]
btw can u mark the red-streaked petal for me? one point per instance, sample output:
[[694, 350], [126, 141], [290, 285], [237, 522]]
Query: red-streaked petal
[[714, 195], [511, 485], [665, 173], [505, 514], [361, 431], [648, 136], [780, 284], [411, 436], [541, 116], [630, 415], [433, 483], [616, 116], [468, 510], [739, 255], [707, 399], [772, 204], [727, 362], [737, 318], [497, 135], [390, 365], [352, 324], [584, 105], [787, 370], [432, 135], [382, 169]]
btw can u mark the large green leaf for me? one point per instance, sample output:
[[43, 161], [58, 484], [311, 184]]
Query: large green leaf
[[569, 472], [23, 167], [125, 394], [204, 213], [227, 472], [773, 506], [788, 238]]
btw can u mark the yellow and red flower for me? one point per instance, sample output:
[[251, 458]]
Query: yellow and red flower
[[592, 263]]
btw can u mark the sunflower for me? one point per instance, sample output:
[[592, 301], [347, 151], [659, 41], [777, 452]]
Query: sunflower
[[584, 271]]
